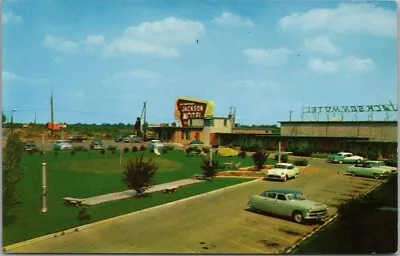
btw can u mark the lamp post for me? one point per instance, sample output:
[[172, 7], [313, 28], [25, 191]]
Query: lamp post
[[12, 119], [44, 189]]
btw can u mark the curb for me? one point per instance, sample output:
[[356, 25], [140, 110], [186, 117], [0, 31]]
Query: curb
[[291, 248], [78, 228]]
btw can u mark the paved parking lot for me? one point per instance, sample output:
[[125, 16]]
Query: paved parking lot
[[215, 223]]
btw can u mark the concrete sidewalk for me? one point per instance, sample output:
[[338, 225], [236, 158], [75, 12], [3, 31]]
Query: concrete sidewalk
[[130, 193]]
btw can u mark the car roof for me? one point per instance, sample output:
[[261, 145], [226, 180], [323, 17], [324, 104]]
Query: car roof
[[284, 191], [371, 161], [287, 164]]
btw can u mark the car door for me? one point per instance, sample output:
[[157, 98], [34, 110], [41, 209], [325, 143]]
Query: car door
[[282, 205], [268, 203]]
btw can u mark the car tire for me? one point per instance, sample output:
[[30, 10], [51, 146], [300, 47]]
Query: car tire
[[358, 161], [340, 162], [376, 176], [353, 174], [285, 178], [297, 217]]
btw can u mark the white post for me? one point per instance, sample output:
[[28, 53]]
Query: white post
[[279, 152], [44, 188]]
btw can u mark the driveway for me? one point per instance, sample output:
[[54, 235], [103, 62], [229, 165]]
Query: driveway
[[214, 223]]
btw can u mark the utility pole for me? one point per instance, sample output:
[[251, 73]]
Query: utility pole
[[290, 115], [51, 113], [144, 122], [12, 120]]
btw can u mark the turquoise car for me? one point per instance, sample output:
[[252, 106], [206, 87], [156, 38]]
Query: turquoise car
[[344, 157], [373, 169], [289, 203]]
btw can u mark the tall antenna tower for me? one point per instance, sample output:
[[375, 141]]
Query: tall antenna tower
[[51, 113]]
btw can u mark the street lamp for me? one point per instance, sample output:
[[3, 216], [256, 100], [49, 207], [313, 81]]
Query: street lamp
[[12, 119]]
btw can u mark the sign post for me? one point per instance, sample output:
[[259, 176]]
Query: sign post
[[44, 188], [279, 152]]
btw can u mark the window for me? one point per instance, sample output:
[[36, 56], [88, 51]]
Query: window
[[225, 122], [182, 137], [281, 197], [271, 195]]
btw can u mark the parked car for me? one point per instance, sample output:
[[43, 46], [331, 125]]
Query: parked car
[[288, 203], [62, 145], [97, 145], [344, 157], [283, 172], [155, 143], [370, 169], [30, 145], [119, 138], [77, 139]]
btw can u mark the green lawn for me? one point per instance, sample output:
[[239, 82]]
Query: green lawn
[[89, 174]]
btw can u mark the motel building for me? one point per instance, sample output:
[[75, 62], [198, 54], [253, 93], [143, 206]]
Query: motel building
[[359, 137]]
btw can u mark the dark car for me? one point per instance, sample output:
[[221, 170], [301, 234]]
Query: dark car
[[119, 138], [97, 145], [77, 139], [30, 146]]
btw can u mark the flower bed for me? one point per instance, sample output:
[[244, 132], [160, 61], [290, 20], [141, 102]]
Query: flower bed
[[241, 173], [254, 169]]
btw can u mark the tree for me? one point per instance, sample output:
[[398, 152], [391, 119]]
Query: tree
[[259, 158], [209, 167], [11, 170], [139, 174], [4, 118]]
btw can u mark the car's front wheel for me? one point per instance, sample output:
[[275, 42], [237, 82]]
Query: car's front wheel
[[297, 217], [340, 162], [285, 178], [376, 176]]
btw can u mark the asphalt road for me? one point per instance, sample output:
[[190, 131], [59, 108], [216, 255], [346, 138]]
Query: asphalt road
[[214, 223]]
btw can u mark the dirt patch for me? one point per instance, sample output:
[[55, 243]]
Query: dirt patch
[[290, 232], [241, 173], [309, 170], [268, 243]]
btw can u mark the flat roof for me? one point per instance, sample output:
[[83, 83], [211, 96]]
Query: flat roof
[[335, 122], [294, 136]]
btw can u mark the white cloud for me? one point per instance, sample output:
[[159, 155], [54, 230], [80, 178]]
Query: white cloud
[[133, 74], [319, 65], [94, 40], [276, 57], [345, 19], [357, 64], [350, 63], [10, 77], [10, 17], [160, 38], [321, 44], [59, 44], [230, 19]]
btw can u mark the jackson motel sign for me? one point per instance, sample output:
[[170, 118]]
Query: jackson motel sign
[[351, 109]]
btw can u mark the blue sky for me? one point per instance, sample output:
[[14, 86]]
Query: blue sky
[[103, 59]]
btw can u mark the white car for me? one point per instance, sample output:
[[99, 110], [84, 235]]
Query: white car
[[155, 144], [344, 157], [283, 172], [62, 145]]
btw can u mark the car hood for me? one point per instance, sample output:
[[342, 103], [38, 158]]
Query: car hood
[[309, 204], [277, 171]]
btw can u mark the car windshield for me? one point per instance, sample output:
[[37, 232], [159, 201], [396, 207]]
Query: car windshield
[[377, 164], [296, 196], [281, 166]]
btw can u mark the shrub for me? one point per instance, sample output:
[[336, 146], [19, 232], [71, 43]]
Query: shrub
[[102, 151], [31, 152], [134, 149], [164, 150], [209, 167], [373, 156], [284, 158], [79, 148], [111, 147], [72, 152], [300, 162], [113, 151], [84, 214], [242, 154], [320, 155], [126, 150], [85, 150], [392, 161], [169, 147], [56, 152], [259, 158], [143, 148], [139, 174], [251, 148], [301, 151], [41, 152]]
